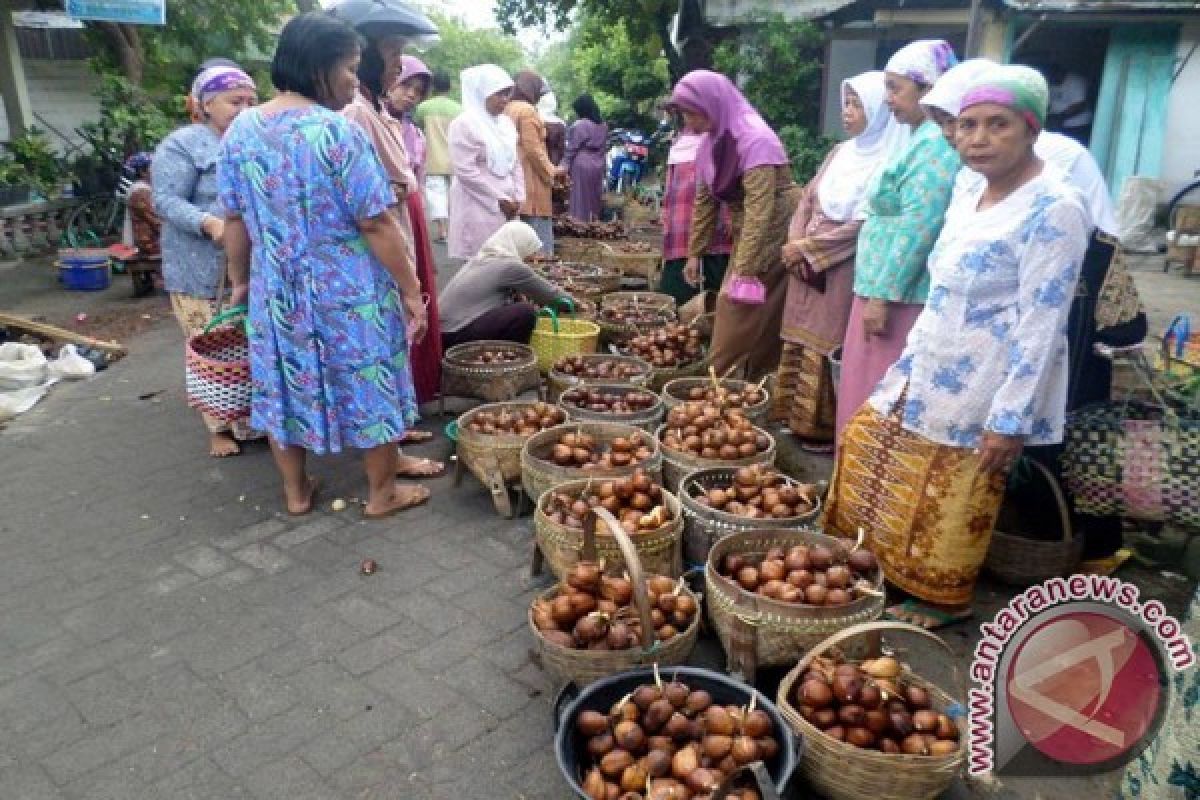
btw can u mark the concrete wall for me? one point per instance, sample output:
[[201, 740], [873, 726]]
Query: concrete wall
[[847, 58], [1181, 150], [60, 93]]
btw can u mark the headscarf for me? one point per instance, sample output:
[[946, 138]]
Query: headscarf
[[514, 241], [585, 108], [843, 188], [947, 94], [684, 148], [547, 107], [923, 61], [1021, 88], [498, 132], [739, 140], [528, 86], [214, 80], [412, 67]]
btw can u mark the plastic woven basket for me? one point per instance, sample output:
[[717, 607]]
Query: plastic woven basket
[[217, 368], [554, 338]]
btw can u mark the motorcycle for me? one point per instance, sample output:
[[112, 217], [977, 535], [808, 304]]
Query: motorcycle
[[627, 160]]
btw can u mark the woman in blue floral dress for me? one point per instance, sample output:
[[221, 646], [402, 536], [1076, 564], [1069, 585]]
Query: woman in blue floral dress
[[326, 271]]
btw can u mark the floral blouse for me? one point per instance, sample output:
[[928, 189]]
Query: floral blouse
[[989, 351], [904, 216]]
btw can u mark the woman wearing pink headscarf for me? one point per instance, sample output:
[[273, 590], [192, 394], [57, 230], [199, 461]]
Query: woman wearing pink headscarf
[[741, 162]]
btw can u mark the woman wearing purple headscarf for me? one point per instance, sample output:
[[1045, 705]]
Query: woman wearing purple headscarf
[[193, 224], [742, 163]]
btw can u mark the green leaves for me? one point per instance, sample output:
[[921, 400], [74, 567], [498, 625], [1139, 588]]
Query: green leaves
[[460, 47]]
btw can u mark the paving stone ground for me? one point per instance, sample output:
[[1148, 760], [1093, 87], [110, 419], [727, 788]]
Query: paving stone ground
[[166, 633]]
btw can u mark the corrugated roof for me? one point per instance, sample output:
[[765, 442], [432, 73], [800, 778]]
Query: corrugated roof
[[731, 12]]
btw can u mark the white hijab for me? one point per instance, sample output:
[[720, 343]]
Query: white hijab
[[514, 241], [498, 132], [842, 191], [948, 92], [547, 106]]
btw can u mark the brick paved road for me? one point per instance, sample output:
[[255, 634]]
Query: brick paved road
[[165, 633]]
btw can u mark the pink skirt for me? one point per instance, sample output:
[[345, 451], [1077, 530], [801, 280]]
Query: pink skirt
[[866, 360]]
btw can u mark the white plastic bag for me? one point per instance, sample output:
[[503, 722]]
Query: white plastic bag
[[19, 401], [70, 365], [1135, 214], [21, 366]]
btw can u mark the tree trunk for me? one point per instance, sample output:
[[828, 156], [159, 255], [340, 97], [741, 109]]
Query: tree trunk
[[127, 46], [675, 65]]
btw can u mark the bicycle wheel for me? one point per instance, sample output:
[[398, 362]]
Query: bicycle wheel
[[93, 222]]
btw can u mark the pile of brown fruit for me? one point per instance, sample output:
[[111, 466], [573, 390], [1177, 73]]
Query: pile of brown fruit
[[637, 502], [571, 227], [609, 402], [494, 356], [578, 449], [593, 611], [724, 396], [666, 741], [634, 248], [704, 431], [522, 422], [808, 575], [599, 369], [865, 706], [674, 345], [758, 492], [643, 316]]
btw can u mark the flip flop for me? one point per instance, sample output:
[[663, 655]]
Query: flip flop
[[917, 613], [422, 497], [416, 436], [426, 468], [1107, 565], [313, 485]]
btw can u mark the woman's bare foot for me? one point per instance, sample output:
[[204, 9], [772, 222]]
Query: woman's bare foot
[[222, 445], [403, 497], [414, 467], [416, 436], [299, 503]]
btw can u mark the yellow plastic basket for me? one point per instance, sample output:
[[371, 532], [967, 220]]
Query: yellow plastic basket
[[554, 338]]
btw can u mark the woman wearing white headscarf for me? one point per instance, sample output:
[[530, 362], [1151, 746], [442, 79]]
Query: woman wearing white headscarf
[[819, 257], [489, 185], [476, 303]]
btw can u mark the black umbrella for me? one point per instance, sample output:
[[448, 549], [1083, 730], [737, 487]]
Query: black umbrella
[[376, 19]]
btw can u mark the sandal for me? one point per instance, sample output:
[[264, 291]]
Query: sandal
[[931, 618], [418, 496], [313, 485], [416, 436], [421, 468]]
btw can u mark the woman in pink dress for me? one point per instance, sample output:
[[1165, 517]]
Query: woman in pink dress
[[489, 184]]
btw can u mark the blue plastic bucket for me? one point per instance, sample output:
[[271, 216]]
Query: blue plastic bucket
[[84, 270]]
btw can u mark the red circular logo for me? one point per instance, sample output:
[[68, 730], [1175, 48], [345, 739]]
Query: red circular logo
[[1084, 688]]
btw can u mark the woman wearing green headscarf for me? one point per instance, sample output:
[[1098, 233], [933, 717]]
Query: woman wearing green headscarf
[[984, 372]]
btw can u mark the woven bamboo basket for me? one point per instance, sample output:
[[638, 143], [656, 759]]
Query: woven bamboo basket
[[1023, 561], [570, 248], [495, 459], [756, 631], [634, 213], [555, 338], [661, 376], [675, 392], [704, 526], [539, 473], [841, 771], [636, 299], [491, 383], [585, 666], [632, 265], [558, 382], [660, 551], [647, 419], [617, 334], [677, 465]]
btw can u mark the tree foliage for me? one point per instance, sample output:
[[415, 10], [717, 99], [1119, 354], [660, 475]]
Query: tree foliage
[[777, 64], [647, 21], [460, 47], [625, 75]]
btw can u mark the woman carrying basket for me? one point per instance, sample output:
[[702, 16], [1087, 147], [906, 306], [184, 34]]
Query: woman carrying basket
[[333, 294], [477, 302], [193, 232]]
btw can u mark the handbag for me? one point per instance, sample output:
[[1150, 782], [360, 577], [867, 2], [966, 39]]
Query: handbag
[[1136, 459]]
